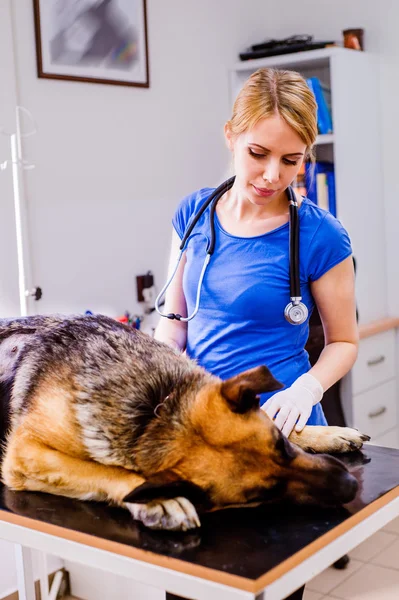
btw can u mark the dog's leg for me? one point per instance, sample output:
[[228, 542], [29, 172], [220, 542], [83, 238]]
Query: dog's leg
[[31, 465], [328, 439]]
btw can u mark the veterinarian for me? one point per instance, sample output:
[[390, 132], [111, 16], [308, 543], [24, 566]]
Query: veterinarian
[[241, 320]]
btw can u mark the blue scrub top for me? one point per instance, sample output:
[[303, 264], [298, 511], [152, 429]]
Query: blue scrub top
[[240, 323]]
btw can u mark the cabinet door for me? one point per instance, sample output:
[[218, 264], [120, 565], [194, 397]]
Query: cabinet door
[[375, 362], [389, 439], [375, 411]]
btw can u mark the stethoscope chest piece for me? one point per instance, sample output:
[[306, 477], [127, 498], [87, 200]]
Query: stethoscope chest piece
[[296, 313]]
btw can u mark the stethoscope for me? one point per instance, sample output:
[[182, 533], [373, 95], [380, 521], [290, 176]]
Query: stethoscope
[[296, 311]]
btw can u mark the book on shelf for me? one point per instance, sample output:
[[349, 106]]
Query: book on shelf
[[322, 95], [318, 184]]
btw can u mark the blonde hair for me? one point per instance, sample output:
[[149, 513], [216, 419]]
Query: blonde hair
[[271, 91]]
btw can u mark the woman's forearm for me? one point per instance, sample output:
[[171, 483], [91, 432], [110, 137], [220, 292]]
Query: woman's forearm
[[334, 362], [172, 333]]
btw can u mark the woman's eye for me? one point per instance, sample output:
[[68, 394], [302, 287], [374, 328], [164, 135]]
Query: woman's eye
[[286, 161], [254, 154]]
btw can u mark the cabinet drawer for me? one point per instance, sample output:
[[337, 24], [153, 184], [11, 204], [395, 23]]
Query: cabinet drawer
[[375, 362], [389, 439], [374, 411]]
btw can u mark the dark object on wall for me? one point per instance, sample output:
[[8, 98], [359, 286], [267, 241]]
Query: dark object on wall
[[295, 43], [353, 38], [96, 43]]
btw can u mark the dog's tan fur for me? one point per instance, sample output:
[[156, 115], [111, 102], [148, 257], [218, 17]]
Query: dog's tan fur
[[212, 447]]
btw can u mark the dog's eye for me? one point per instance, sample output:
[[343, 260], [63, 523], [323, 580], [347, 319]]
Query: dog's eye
[[274, 490], [14, 349], [285, 449]]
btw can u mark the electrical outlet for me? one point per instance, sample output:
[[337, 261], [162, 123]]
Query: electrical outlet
[[143, 282]]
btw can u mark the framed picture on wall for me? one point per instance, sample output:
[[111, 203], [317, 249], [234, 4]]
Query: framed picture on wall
[[96, 41]]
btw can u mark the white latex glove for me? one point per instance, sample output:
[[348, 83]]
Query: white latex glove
[[294, 404]]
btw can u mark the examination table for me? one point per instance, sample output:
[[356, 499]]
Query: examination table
[[262, 553]]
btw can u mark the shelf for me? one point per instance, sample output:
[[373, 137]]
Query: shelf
[[298, 60], [327, 138]]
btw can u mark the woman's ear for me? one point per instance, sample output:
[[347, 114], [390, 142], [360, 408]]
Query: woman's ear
[[229, 136]]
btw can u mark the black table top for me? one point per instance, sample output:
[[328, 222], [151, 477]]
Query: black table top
[[240, 542]]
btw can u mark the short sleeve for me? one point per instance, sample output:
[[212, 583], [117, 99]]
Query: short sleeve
[[329, 246], [182, 216], [187, 208]]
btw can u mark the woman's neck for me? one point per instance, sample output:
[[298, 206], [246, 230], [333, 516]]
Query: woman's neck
[[239, 216]]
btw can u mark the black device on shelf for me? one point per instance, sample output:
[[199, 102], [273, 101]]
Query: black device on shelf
[[295, 43]]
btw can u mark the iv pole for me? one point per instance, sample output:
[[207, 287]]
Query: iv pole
[[18, 164]]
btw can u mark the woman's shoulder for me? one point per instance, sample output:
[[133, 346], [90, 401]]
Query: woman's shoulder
[[325, 239], [196, 199], [188, 207], [318, 218]]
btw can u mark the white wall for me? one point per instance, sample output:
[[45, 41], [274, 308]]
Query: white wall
[[112, 162], [9, 293]]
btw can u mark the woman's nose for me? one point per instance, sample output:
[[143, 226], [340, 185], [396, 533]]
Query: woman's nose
[[272, 172]]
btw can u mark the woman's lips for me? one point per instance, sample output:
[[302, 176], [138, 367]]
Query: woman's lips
[[264, 191]]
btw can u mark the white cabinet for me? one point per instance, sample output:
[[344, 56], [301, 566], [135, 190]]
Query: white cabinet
[[375, 362], [375, 411], [370, 392]]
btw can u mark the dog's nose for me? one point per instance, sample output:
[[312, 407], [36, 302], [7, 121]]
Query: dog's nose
[[344, 485], [347, 488]]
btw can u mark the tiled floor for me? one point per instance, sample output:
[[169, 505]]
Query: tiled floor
[[372, 574]]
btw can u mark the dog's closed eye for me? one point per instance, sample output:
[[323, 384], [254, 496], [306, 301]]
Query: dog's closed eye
[[266, 494], [286, 450]]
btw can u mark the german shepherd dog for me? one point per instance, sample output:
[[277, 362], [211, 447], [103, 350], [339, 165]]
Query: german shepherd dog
[[100, 411]]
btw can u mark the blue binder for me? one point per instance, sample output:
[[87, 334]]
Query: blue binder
[[324, 120], [311, 187]]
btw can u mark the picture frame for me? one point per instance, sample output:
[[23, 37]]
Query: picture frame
[[95, 41]]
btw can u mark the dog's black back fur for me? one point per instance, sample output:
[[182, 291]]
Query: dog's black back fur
[[116, 375]]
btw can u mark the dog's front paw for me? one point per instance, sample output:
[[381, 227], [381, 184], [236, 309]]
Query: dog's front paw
[[176, 514], [349, 439], [318, 438], [344, 439]]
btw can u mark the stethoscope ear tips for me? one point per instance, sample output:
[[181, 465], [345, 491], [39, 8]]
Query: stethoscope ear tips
[[296, 313]]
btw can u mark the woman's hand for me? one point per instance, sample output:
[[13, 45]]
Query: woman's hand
[[292, 407]]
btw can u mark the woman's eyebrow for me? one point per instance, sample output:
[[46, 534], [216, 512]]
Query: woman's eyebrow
[[267, 150]]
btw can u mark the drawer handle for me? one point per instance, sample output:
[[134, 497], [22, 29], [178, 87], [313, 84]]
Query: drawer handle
[[378, 412], [376, 361]]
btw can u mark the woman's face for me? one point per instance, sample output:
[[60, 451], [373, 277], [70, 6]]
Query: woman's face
[[267, 159]]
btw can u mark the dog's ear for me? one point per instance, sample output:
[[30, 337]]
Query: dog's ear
[[241, 391], [165, 485]]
